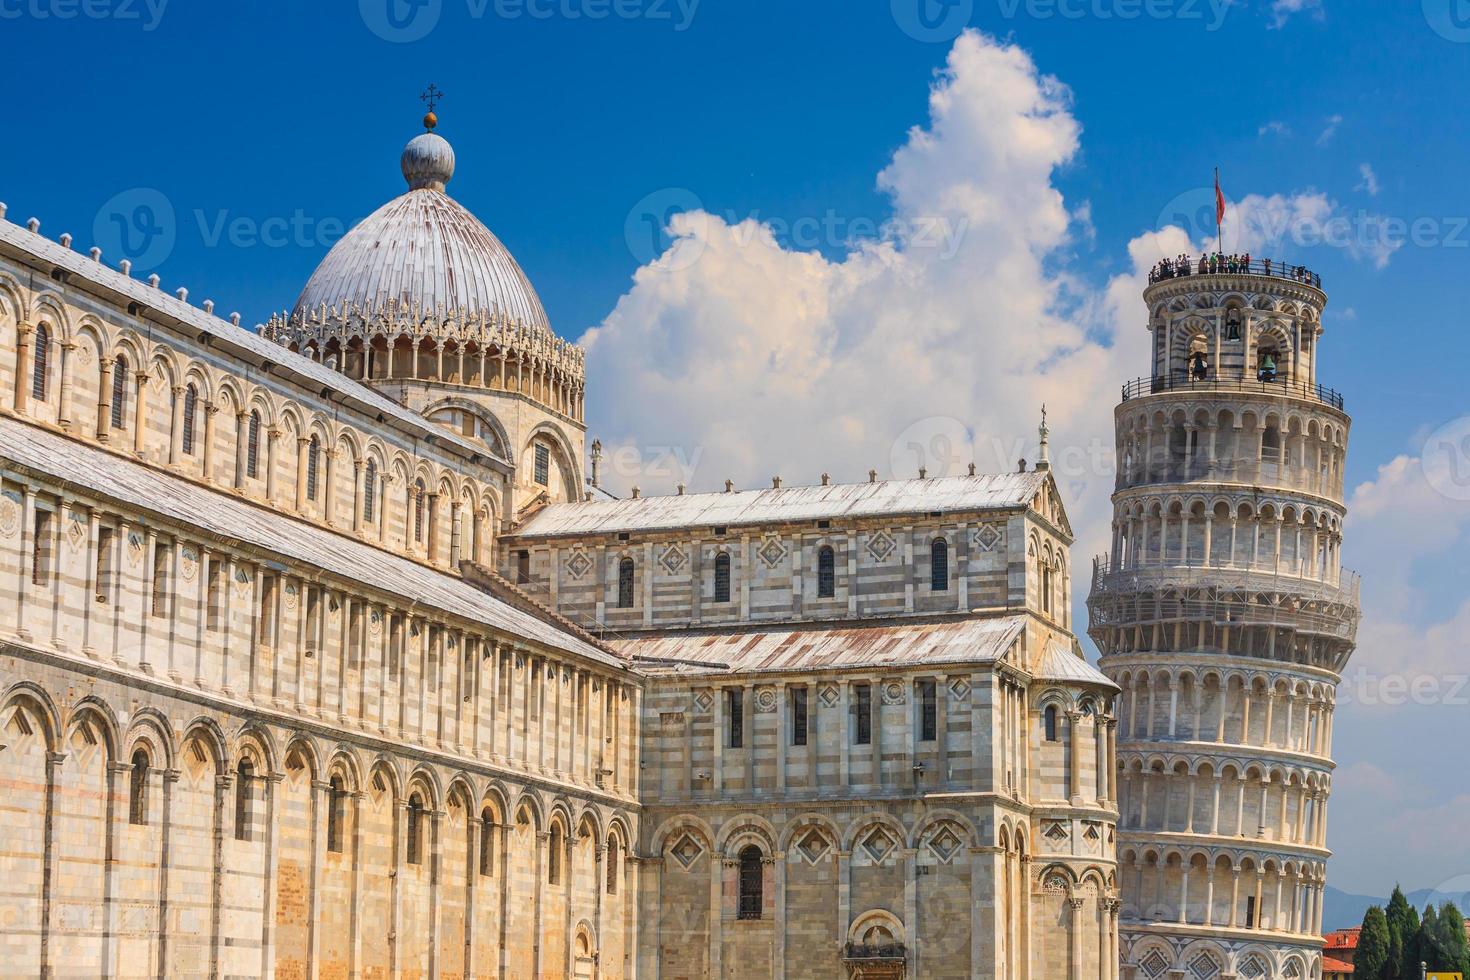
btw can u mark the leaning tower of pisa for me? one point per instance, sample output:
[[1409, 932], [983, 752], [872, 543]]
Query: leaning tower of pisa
[[1224, 615]]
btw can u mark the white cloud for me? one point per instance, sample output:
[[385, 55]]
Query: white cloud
[[1329, 129], [1275, 128], [1369, 182], [1282, 10], [758, 359], [1274, 225]]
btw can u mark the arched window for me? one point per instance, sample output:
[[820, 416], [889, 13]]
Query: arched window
[[553, 855], [625, 583], [751, 885], [244, 776], [826, 573], [722, 577], [138, 789], [336, 812], [612, 866], [1045, 587], [939, 565], [313, 451], [1049, 722], [487, 842], [369, 490], [252, 446], [41, 358], [191, 405], [415, 842], [418, 510], [119, 391]]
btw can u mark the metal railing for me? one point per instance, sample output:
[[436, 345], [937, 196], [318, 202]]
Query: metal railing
[[887, 951], [1227, 265], [1294, 576], [1159, 592], [1278, 386]]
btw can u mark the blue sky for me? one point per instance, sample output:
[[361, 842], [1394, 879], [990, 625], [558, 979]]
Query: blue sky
[[255, 132]]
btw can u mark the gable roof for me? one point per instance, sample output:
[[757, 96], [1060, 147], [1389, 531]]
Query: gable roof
[[1004, 491]]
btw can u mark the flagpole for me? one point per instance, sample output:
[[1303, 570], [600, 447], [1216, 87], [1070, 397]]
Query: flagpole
[[1219, 232]]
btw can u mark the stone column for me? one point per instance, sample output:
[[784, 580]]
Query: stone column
[[302, 444], [271, 435], [104, 399], [23, 365], [210, 411], [176, 425], [140, 413], [63, 412]]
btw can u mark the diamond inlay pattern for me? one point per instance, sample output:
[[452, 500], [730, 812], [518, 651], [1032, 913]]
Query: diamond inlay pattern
[[880, 546], [686, 851], [1204, 966]]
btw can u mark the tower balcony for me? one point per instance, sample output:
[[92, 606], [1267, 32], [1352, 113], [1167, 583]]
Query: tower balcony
[[1269, 268], [1278, 386], [1292, 612]]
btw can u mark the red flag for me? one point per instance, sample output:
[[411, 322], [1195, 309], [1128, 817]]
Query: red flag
[[1219, 200]]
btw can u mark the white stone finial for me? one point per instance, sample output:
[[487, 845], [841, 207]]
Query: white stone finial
[[125, 267], [154, 280], [65, 239], [33, 225], [427, 162], [96, 254], [3, 208], [182, 294], [1043, 461], [208, 306]]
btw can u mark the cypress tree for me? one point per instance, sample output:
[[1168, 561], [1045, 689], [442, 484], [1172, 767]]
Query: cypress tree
[[1453, 950], [1403, 935], [1371, 960], [1424, 941]]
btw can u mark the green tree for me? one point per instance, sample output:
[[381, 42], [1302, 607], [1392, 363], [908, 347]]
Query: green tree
[[1424, 942], [1371, 960], [1403, 937], [1450, 945]]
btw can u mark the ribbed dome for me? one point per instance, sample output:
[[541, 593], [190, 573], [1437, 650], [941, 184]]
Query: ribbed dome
[[423, 251]]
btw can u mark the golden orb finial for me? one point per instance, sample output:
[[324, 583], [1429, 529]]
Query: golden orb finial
[[431, 98]]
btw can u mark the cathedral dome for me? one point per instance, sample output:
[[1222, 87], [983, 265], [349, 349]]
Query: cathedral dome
[[422, 252]]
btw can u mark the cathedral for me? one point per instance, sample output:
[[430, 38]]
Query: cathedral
[[324, 654]]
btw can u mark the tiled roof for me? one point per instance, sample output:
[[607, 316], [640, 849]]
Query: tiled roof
[[269, 532], [1333, 965], [807, 648], [844, 500], [1063, 662]]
